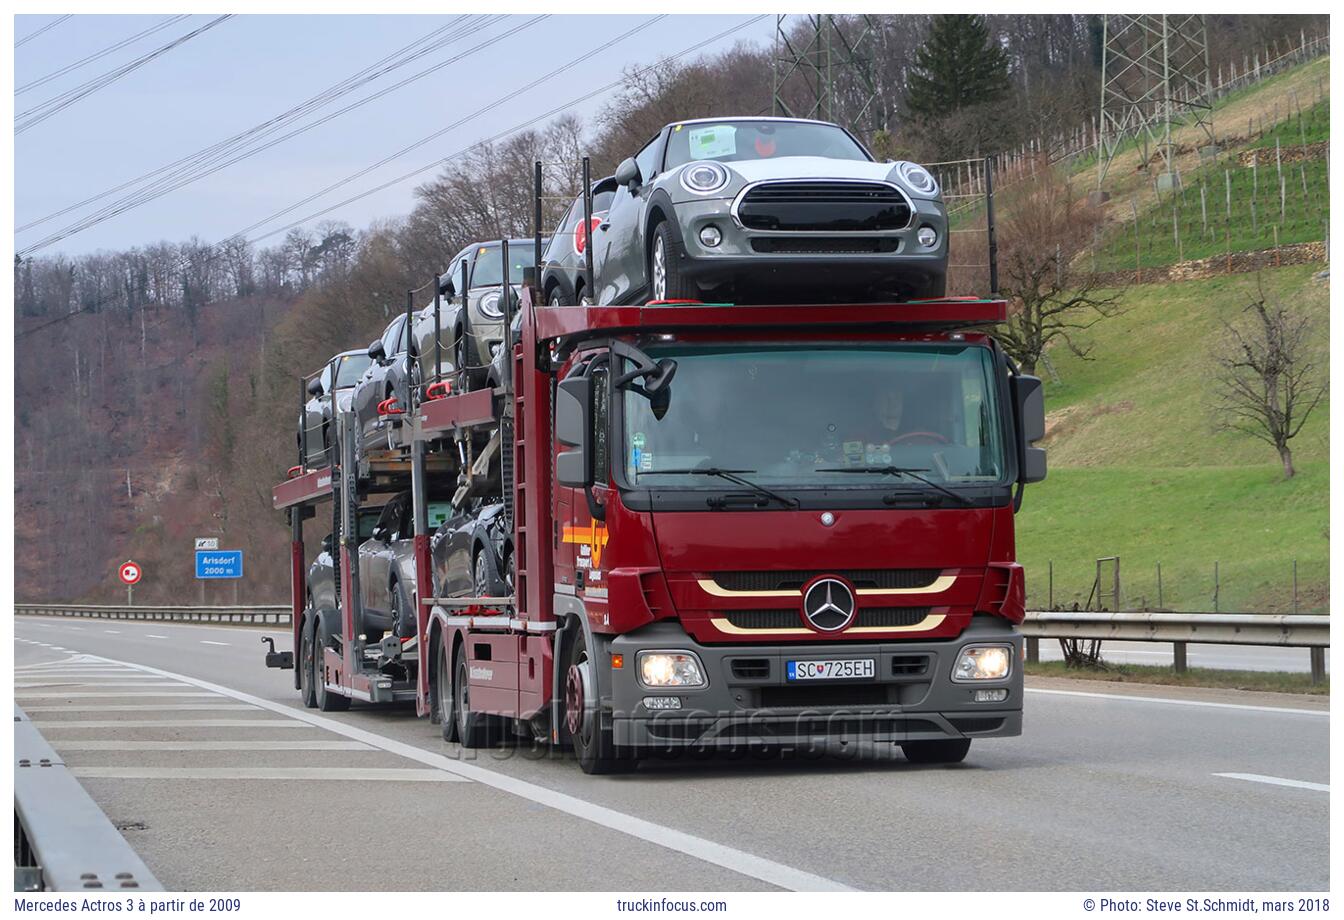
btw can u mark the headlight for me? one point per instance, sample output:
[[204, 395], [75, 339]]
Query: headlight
[[918, 178], [986, 662], [670, 669], [489, 305], [703, 178], [927, 236]]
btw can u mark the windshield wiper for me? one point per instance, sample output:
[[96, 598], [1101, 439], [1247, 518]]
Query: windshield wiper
[[731, 476], [912, 472]]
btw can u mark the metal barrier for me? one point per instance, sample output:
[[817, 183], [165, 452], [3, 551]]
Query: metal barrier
[[276, 614], [1180, 629], [63, 841]]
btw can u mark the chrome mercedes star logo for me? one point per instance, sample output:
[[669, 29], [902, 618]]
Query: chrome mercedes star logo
[[829, 604]]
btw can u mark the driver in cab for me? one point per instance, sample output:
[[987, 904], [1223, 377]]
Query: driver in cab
[[869, 443]]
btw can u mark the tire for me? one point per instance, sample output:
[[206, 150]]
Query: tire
[[485, 578], [952, 750], [404, 621], [327, 701], [593, 745], [461, 357], [665, 279], [443, 693], [307, 663], [473, 728]]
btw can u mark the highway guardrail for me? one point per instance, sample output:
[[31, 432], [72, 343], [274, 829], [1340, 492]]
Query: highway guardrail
[[1180, 629], [273, 614], [63, 841]]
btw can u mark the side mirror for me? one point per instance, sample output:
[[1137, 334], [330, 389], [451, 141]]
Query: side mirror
[[628, 173], [326, 543], [380, 534], [315, 387], [573, 429], [1029, 407], [376, 350]]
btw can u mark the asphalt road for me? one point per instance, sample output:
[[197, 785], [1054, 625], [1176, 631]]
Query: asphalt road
[[1198, 655], [222, 781]]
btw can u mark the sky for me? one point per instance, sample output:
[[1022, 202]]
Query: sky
[[251, 68]]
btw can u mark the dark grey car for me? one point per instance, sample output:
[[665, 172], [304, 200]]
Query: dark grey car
[[768, 209], [473, 552], [384, 378], [337, 377], [387, 564], [563, 265]]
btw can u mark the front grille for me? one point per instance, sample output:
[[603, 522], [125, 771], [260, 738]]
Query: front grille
[[764, 619], [890, 616], [786, 580], [824, 244], [861, 207], [833, 695]]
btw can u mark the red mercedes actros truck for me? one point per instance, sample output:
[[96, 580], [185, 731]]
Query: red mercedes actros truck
[[730, 526]]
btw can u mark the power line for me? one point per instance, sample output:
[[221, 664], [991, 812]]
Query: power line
[[51, 25], [515, 129], [457, 124], [44, 110], [329, 94], [89, 59], [136, 199]]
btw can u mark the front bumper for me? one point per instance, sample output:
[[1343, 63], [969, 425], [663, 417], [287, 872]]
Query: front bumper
[[749, 701]]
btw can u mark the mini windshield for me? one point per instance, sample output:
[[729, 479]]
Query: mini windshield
[[729, 141], [349, 368], [486, 271], [829, 417]]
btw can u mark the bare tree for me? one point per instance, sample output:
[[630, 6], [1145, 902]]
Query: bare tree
[[1266, 383], [1051, 299]]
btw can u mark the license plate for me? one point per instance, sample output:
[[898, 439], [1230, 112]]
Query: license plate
[[843, 669]]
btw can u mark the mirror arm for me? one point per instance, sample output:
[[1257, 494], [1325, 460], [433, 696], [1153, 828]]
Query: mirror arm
[[596, 510]]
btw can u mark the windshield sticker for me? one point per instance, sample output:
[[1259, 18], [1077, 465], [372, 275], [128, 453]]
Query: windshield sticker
[[638, 440], [712, 141], [645, 462], [877, 455], [438, 512], [853, 453]]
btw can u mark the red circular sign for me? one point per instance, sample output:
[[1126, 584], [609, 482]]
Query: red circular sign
[[581, 233], [130, 572]]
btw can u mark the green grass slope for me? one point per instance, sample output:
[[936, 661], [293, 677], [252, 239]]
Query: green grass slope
[[1138, 469]]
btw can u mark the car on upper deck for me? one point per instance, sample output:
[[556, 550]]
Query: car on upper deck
[[335, 381], [564, 265], [759, 210]]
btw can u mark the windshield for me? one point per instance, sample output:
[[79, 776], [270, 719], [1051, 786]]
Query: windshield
[[486, 270], [349, 368], [729, 141], [813, 416]]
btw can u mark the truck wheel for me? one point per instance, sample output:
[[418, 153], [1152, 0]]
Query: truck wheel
[[473, 728], [665, 279], [443, 693], [326, 700], [593, 745], [953, 750], [308, 663]]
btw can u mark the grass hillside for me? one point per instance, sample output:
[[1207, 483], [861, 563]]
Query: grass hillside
[[1138, 470]]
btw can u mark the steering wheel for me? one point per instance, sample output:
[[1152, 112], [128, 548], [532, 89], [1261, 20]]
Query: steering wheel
[[933, 436]]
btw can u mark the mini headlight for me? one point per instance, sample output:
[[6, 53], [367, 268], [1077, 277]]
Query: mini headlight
[[927, 236], [703, 178], [918, 178], [670, 669], [490, 305], [986, 662], [710, 235]]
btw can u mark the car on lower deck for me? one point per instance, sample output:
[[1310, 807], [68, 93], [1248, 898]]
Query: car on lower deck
[[387, 564], [472, 552], [759, 210]]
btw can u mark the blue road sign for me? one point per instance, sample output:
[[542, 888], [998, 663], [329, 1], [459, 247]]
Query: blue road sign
[[217, 563]]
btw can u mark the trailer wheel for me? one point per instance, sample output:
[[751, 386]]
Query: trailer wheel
[[953, 750], [308, 663], [593, 745], [473, 728], [443, 692], [326, 700]]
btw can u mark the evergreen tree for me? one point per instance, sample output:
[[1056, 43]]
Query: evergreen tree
[[958, 66]]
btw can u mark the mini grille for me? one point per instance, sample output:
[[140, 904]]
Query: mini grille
[[823, 244], [849, 207], [808, 192], [794, 580]]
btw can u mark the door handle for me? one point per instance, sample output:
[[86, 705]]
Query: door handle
[[605, 225]]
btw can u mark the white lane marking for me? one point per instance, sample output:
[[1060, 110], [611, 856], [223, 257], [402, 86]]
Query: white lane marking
[[348, 774], [315, 745], [739, 861], [76, 628], [1117, 697], [147, 707], [104, 694], [152, 636], [208, 642], [112, 632], [49, 724], [128, 683], [1276, 781]]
